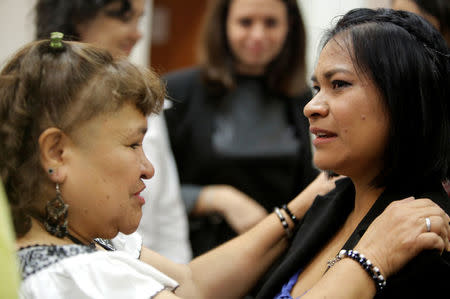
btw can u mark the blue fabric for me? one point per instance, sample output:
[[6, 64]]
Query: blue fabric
[[287, 288]]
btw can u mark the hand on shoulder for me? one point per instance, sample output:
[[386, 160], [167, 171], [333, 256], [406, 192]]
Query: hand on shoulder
[[403, 230]]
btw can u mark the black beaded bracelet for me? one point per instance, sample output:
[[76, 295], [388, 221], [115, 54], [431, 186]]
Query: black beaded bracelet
[[291, 215], [283, 222], [373, 271]]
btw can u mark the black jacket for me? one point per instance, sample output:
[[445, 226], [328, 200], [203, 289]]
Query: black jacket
[[425, 275]]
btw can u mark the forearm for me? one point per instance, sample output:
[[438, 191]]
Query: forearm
[[346, 279], [233, 268], [204, 200], [392, 240]]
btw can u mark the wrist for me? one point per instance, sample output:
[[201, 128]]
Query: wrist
[[375, 256], [288, 220], [299, 207], [365, 264], [352, 280], [295, 220]]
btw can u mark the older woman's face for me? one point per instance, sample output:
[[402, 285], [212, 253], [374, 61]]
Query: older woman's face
[[105, 169], [347, 116], [256, 31], [119, 36]]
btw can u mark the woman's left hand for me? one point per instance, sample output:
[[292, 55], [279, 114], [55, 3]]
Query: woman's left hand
[[402, 231]]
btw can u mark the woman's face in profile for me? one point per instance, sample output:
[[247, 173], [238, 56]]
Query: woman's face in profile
[[256, 31], [117, 35], [106, 166], [346, 115]]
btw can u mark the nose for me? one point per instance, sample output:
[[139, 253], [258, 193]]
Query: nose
[[147, 169], [315, 108], [257, 31]]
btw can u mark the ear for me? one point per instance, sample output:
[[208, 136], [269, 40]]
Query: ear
[[53, 145]]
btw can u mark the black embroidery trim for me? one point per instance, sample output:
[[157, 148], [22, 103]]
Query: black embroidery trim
[[35, 258], [105, 243]]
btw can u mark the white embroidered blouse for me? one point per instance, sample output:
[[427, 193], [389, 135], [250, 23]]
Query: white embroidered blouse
[[78, 271]]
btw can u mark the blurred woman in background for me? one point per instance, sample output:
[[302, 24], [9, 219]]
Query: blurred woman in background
[[236, 126]]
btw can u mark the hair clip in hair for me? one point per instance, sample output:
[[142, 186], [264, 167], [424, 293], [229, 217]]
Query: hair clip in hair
[[55, 40]]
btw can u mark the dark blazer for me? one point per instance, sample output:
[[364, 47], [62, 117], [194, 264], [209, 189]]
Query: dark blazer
[[427, 274]]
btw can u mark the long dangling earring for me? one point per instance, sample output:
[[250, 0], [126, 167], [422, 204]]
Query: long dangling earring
[[56, 217]]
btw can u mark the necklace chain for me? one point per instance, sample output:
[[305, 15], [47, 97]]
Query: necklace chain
[[77, 241], [336, 259]]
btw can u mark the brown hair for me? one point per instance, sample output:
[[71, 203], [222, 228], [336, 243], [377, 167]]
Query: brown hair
[[286, 74], [42, 87]]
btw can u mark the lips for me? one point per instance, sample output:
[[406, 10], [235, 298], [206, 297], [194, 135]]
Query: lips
[[321, 133], [138, 195], [322, 136], [141, 199]]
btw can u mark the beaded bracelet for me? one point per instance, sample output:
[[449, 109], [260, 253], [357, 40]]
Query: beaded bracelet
[[373, 271], [291, 215], [283, 222]]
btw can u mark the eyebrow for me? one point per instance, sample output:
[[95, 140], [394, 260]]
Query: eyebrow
[[137, 131], [331, 72]]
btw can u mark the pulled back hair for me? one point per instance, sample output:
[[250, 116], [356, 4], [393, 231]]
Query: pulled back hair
[[440, 9], [65, 15], [42, 87], [286, 74], [409, 62]]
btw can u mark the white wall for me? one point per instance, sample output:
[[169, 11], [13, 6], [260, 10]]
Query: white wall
[[318, 16], [17, 26], [141, 52]]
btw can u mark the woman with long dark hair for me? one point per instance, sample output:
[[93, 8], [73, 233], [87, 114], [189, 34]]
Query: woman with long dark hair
[[236, 126]]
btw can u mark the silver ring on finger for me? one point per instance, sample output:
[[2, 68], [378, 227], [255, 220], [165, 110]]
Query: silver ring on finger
[[428, 224]]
